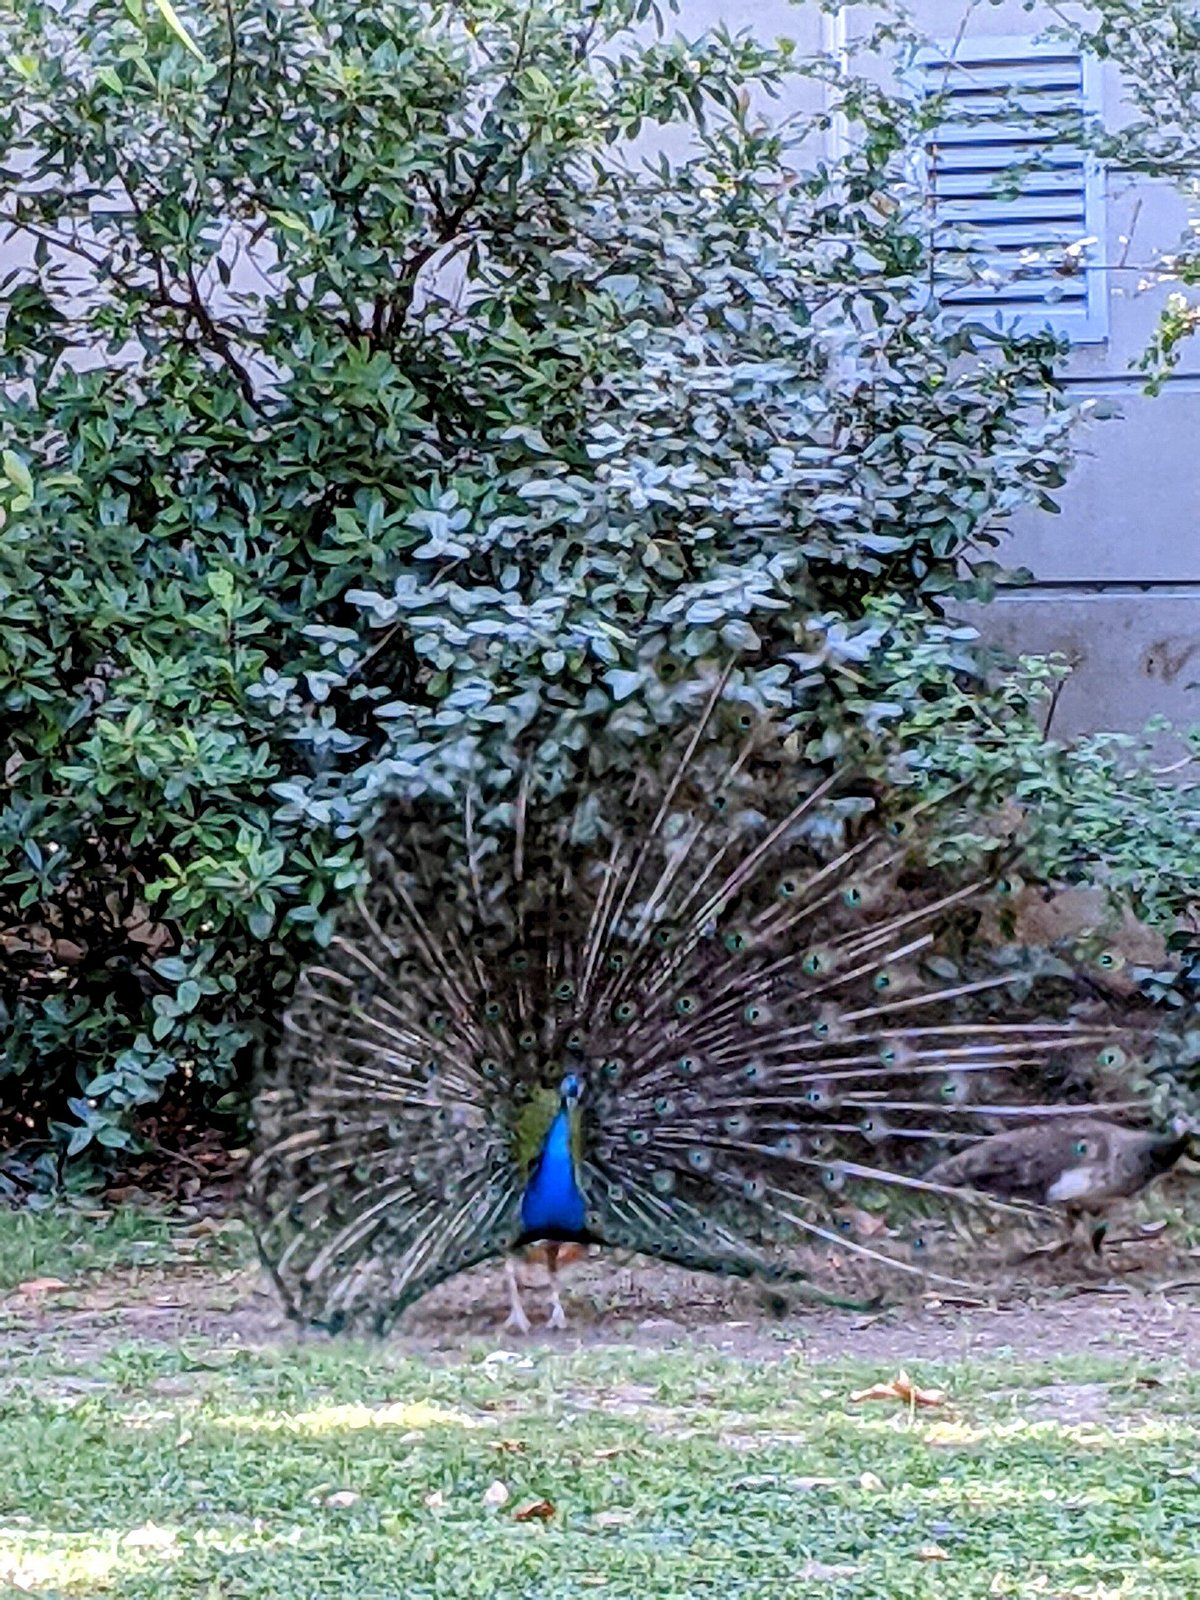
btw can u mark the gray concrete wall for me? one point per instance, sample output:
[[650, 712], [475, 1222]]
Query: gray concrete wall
[[1119, 568]]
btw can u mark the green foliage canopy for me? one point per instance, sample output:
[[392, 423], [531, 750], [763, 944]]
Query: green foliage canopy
[[371, 408]]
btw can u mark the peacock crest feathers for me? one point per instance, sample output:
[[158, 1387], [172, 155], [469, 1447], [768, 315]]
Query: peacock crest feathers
[[768, 1003]]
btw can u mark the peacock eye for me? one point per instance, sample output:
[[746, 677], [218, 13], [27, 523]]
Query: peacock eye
[[820, 1030], [812, 963], [815, 1097], [918, 1244], [753, 1014], [617, 961], [788, 888], [1111, 1056], [686, 1005], [493, 1011], [866, 1125], [564, 990], [852, 897], [881, 981], [622, 1011], [735, 942], [519, 962], [490, 1068], [687, 1066], [1080, 1148]]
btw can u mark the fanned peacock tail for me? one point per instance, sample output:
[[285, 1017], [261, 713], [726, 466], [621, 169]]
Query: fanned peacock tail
[[727, 982]]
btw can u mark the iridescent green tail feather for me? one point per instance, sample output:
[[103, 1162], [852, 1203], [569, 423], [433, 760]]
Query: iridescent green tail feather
[[774, 1007]]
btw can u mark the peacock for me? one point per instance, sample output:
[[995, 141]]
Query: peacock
[[686, 1002], [1082, 1165]]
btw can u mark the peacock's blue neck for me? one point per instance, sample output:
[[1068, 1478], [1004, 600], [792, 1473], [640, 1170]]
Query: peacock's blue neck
[[553, 1205]]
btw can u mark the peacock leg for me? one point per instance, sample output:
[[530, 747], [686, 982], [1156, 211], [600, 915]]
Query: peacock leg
[[516, 1319], [557, 1317]]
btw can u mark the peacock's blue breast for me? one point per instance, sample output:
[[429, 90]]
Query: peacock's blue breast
[[553, 1202]]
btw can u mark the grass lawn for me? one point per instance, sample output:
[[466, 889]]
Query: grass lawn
[[137, 1466]]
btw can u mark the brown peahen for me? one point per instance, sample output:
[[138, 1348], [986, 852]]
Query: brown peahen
[[686, 1008], [1082, 1165]]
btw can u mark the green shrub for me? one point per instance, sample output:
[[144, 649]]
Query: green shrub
[[366, 411]]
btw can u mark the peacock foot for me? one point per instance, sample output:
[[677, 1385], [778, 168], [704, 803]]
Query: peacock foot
[[516, 1321]]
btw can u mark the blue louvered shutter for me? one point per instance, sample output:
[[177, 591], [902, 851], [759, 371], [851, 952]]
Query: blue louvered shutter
[[1008, 103]]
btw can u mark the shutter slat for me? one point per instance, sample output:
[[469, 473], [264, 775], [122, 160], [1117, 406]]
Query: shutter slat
[[1024, 219], [1031, 296], [972, 77], [989, 132], [978, 157], [984, 190]]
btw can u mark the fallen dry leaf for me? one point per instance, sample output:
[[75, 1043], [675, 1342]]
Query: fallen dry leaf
[[496, 1494], [32, 1287], [866, 1224], [435, 1500], [870, 1483], [511, 1447], [901, 1388], [932, 1552], [534, 1511], [342, 1499]]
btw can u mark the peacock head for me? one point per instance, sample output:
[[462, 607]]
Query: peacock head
[[570, 1090]]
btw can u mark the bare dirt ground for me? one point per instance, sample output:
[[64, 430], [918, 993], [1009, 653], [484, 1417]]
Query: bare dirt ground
[[1147, 1306]]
